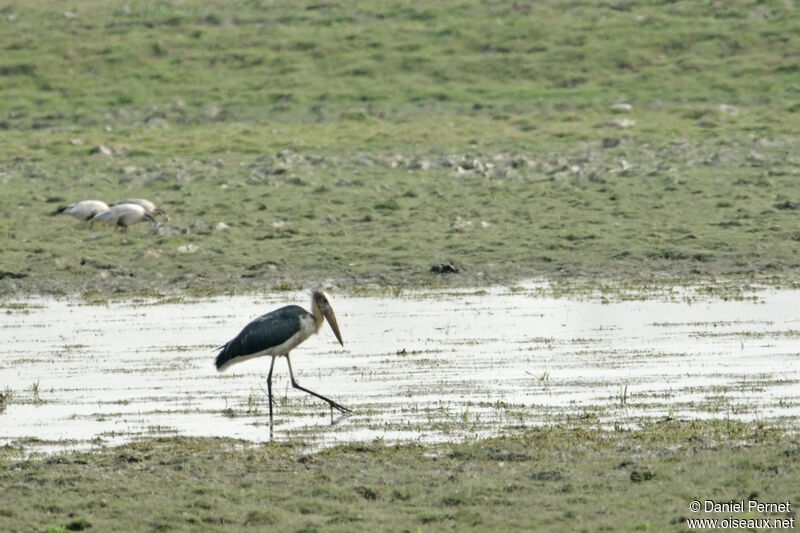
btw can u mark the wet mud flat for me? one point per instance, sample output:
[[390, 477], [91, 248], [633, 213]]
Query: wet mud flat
[[417, 367]]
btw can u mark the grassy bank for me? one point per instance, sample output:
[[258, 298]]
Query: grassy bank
[[353, 221], [365, 142], [561, 478]]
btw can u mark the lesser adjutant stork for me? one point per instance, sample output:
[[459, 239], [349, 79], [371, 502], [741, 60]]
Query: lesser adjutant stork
[[276, 334]]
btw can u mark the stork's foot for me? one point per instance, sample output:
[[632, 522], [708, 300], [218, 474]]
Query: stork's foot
[[334, 405], [340, 408], [341, 415], [296, 385]]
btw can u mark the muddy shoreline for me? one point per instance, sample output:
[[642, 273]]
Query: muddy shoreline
[[558, 478], [121, 283]]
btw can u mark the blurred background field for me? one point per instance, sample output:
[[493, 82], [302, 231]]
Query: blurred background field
[[363, 142]]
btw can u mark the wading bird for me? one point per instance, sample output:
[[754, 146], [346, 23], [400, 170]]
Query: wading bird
[[84, 210], [276, 334], [149, 206], [123, 215]]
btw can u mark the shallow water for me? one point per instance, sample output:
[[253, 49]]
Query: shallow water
[[427, 366]]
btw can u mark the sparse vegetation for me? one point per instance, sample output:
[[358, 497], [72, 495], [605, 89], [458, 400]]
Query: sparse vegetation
[[34, 390], [556, 478], [6, 397]]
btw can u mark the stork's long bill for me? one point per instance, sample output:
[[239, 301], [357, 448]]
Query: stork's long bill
[[321, 303]]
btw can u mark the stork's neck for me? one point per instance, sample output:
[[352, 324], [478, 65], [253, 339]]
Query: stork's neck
[[317, 313]]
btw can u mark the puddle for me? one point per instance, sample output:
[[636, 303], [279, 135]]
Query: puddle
[[424, 366]]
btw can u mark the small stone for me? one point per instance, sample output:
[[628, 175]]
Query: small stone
[[199, 226], [156, 122], [63, 263], [187, 248], [621, 123], [151, 255], [622, 108], [212, 111], [420, 164], [460, 224], [221, 226], [165, 229], [102, 149], [443, 268]]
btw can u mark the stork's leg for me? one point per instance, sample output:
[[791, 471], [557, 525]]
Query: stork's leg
[[312, 393], [269, 391]]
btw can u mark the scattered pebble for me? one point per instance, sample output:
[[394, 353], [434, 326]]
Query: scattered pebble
[[622, 108], [64, 262], [102, 149], [420, 164], [443, 268], [166, 229], [152, 255], [460, 224], [187, 248], [621, 123]]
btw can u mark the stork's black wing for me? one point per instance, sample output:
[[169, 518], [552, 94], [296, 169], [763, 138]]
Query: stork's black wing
[[264, 332]]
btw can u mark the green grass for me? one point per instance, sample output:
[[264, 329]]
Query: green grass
[[381, 137], [549, 479], [216, 63], [293, 221]]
